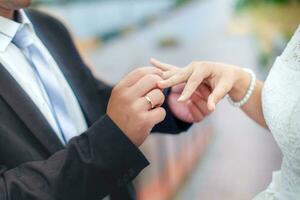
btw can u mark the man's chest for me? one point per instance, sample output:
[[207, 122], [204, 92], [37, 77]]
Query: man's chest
[[19, 67]]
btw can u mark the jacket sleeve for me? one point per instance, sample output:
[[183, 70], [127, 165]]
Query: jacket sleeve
[[88, 168]]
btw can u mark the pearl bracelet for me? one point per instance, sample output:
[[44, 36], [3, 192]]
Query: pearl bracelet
[[249, 91]]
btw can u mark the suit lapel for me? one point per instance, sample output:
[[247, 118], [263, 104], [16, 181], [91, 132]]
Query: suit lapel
[[69, 63], [27, 111], [25, 108]]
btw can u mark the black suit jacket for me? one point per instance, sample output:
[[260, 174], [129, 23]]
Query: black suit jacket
[[34, 165]]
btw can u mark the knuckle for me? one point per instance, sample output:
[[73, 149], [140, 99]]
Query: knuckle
[[159, 93], [124, 96], [139, 71]]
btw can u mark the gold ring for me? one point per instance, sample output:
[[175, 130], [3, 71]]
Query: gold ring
[[150, 101]]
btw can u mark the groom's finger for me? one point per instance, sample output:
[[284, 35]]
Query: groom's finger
[[156, 97], [161, 65], [201, 104], [168, 74], [195, 112], [203, 91], [145, 85], [156, 115], [173, 80]]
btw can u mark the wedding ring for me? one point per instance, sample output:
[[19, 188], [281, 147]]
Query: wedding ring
[[150, 101]]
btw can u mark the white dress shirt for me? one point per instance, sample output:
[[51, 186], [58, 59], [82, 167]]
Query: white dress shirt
[[13, 59]]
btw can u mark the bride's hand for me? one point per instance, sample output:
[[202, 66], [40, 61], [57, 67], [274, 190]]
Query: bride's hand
[[221, 78]]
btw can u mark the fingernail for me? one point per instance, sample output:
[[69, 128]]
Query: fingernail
[[212, 106], [181, 98]]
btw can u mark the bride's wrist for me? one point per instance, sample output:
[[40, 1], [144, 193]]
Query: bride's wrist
[[241, 84]]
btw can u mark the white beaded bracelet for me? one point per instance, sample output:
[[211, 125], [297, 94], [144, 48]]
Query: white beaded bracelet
[[249, 91]]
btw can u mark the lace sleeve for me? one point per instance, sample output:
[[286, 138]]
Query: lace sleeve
[[291, 55]]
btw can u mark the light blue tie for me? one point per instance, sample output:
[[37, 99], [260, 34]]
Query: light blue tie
[[48, 81]]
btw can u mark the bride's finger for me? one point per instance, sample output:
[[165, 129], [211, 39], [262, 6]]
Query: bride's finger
[[161, 65], [168, 74], [192, 84], [222, 88], [173, 80], [195, 112]]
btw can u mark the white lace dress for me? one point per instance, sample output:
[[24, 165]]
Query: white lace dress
[[281, 106]]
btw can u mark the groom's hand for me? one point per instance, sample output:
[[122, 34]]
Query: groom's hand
[[130, 110], [193, 110]]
